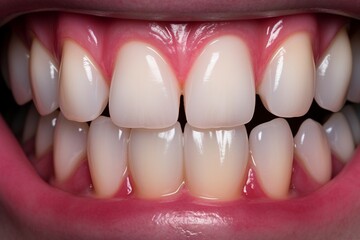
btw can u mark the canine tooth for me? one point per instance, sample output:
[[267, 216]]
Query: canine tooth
[[156, 161], [339, 136], [215, 161], [107, 155], [45, 133], [69, 147], [19, 70], [354, 87], [220, 88], [354, 122], [44, 78], [333, 74], [143, 78], [83, 91], [271, 149], [287, 88], [31, 122], [313, 151]]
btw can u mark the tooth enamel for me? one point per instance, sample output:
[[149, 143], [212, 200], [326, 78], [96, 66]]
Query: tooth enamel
[[354, 87], [156, 161], [333, 74], [287, 88], [271, 149], [215, 162], [107, 155], [69, 147], [45, 134], [83, 91], [18, 59], [339, 136], [143, 78], [31, 123], [220, 88], [313, 151], [44, 78], [353, 121]]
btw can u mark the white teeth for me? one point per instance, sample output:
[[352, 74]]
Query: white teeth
[[83, 91], [69, 147], [313, 151], [19, 70], [45, 134], [31, 122], [220, 88], [354, 87], [107, 155], [156, 161], [144, 91], [271, 148], [215, 162], [353, 121], [44, 78], [339, 136], [333, 74], [287, 88]]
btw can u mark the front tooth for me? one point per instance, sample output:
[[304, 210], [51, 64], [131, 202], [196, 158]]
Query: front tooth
[[44, 78], [144, 91], [31, 122], [220, 88], [83, 92], [215, 161], [19, 70], [107, 155], [287, 87], [333, 74], [156, 161], [354, 122], [354, 87], [271, 148], [339, 136], [69, 147], [313, 151], [45, 134]]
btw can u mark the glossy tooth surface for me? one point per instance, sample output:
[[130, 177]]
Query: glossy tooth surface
[[215, 162], [271, 149], [69, 147], [144, 91], [31, 122], [354, 87], [83, 91], [107, 155], [45, 134], [44, 78], [339, 136], [312, 150], [287, 87], [353, 121], [18, 59], [156, 161], [220, 88], [333, 74]]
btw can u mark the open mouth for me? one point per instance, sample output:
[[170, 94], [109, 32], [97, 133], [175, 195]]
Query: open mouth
[[148, 127]]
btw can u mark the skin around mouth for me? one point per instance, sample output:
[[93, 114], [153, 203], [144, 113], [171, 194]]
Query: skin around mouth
[[36, 210]]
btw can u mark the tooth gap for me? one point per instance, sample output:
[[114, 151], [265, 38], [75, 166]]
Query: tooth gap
[[182, 117]]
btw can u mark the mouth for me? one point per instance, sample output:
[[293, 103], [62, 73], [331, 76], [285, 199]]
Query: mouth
[[142, 121]]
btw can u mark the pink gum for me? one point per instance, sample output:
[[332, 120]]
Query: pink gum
[[179, 43]]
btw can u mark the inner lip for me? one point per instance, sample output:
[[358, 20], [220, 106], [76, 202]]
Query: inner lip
[[171, 215]]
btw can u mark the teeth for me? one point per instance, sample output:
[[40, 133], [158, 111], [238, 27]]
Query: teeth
[[44, 78], [31, 123], [19, 70], [271, 148], [339, 136], [215, 162], [313, 151], [354, 87], [333, 74], [45, 134], [107, 155], [156, 161], [69, 147], [287, 88], [353, 121], [143, 78], [83, 90], [220, 88]]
